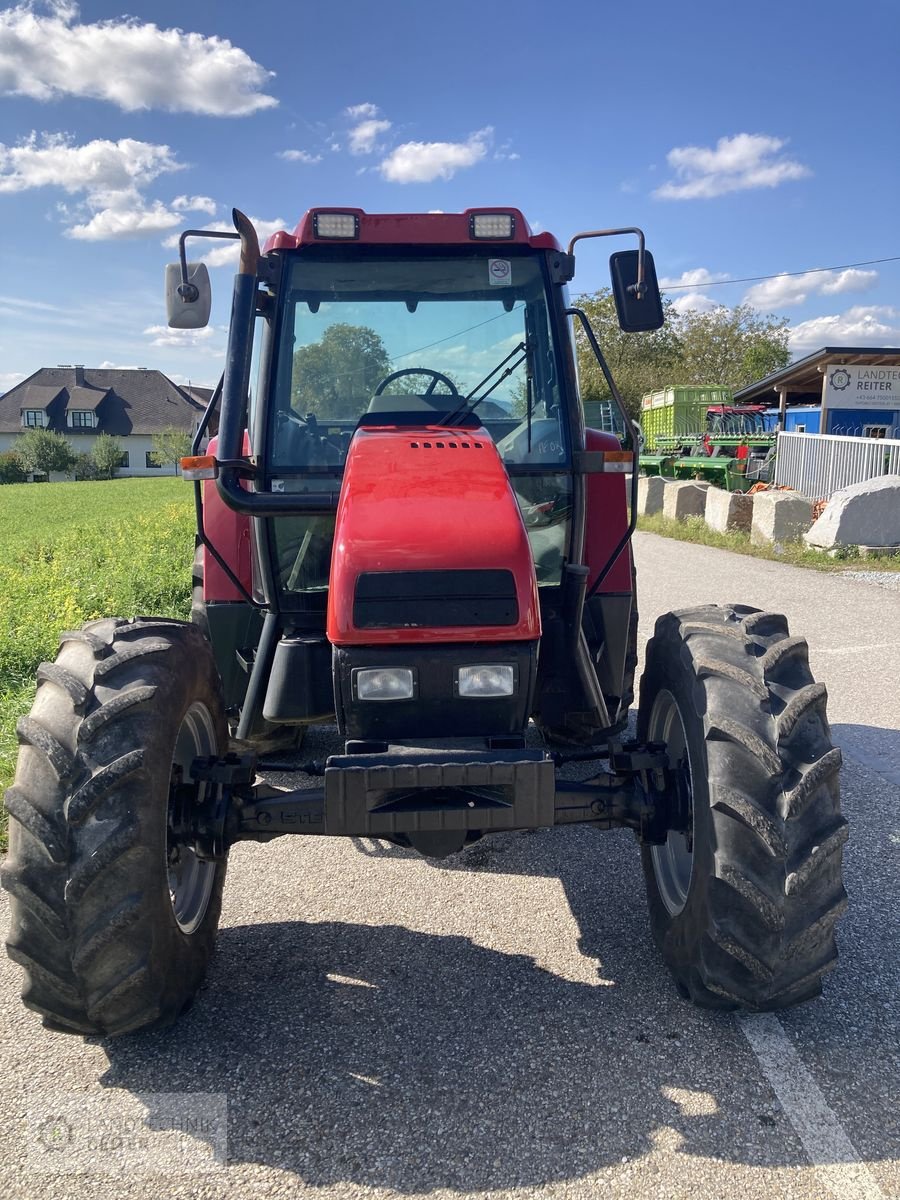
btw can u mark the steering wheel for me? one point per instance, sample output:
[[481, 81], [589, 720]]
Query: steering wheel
[[437, 378]]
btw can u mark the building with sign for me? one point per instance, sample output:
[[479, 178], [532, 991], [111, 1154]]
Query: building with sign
[[838, 389]]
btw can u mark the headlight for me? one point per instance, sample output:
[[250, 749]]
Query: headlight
[[487, 680], [384, 683]]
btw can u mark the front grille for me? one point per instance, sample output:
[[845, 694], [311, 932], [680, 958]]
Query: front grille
[[434, 599]]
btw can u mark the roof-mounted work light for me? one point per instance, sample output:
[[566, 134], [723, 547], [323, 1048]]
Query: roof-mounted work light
[[335, 225], [496, 226]]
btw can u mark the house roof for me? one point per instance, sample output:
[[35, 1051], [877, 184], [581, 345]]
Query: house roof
[[804, 374], [35, 397], [86, 399], [125, 401]]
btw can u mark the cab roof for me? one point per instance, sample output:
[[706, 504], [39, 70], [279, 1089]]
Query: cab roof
[[411, 229]]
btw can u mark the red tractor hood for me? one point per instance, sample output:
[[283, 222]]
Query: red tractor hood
[[415, 501]]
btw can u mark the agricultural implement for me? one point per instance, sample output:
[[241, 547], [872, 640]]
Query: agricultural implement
[[404, 527]]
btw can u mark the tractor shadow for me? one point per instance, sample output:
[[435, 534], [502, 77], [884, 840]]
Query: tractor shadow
[[391, 1058]]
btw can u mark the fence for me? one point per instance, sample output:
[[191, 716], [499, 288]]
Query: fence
[[819, 464]]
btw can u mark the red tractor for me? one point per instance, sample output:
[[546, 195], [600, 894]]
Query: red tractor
[[404, 527]]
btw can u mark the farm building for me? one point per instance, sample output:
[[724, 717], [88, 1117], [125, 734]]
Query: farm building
[[838, 389], [82, 402]]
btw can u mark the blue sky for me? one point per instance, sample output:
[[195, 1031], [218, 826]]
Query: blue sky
[[746, 140]]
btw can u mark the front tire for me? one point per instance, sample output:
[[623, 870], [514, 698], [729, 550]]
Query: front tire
[[743, 904], [113, 921]]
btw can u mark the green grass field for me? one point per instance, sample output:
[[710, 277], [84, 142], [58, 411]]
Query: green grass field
[[70, 552]]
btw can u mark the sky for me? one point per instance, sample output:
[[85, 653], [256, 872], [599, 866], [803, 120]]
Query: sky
[[746, 140]]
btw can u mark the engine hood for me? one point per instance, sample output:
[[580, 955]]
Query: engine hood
[[429, 543]]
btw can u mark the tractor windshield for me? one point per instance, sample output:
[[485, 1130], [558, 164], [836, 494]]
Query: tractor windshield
[[432, 335]]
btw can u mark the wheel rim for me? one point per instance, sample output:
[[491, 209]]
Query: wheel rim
[[190, 879], [673, 862]]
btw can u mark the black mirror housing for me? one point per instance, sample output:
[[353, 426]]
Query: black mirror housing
[[636, 314]]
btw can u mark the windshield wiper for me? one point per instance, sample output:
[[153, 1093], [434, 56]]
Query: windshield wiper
[[469, 405]]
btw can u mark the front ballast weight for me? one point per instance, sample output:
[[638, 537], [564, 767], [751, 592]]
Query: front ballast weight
[[411, 796]]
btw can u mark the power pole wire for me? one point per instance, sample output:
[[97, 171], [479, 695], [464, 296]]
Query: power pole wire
[[673, 287]]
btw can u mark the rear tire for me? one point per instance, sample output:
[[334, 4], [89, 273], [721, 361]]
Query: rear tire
[[113, 923], [744, 911]]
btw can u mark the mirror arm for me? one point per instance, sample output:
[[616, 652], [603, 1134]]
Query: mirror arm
[[636, 438], [638, 288], [189, 291]]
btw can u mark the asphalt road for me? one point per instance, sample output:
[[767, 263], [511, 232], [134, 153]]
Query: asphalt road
[[501, 1024]]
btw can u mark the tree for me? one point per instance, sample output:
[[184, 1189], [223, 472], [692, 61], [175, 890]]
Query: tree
[[732, 347], [336, 376], [85, 468], [107, 454], [170, 446], [42, 451], [12, 469], [724, 347], [639, 362]]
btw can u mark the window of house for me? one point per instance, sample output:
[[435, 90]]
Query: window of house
[[124, 460], [149, 461], [34, 418], [81, 419], [875, 431], [799, 429]]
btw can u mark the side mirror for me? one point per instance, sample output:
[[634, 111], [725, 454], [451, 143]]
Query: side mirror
[[188, 305], [637, 314]]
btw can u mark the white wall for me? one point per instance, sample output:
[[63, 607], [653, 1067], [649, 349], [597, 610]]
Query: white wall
[[137, 446]]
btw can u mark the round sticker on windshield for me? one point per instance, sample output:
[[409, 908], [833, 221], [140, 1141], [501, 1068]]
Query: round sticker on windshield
[[499, 270]]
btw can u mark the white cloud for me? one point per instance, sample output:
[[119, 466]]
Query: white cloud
[[785, 290], [369, 125], [9, 379], [126, 220], [359, 112], [98, 167], [862, 325], [694, 302], [736, 164], [109, 176], [225, 254], [363, 138], [421, 162], [130, 63], [696, 277], [196, 204], [302, 156], [186, 339]]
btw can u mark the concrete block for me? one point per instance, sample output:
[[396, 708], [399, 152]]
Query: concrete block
[[779, 517], [864, 514], [651, 489], [728, 512], [683, 499]]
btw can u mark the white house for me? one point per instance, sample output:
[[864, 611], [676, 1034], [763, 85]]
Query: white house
[[83, 402]]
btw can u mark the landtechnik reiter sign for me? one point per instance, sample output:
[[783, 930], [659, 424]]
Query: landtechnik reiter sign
[[862, 387]]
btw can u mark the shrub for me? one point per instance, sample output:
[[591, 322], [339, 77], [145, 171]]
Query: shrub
[[12, 469]]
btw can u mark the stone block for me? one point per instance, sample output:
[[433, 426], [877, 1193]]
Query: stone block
[[864, 514], [651, 489], [728, 512], [779, 517], [684, 499]]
